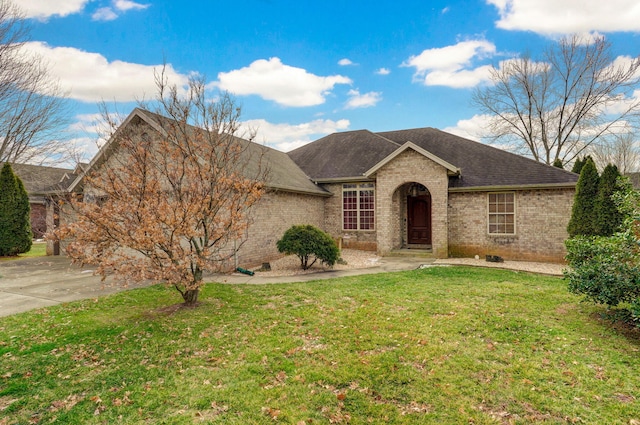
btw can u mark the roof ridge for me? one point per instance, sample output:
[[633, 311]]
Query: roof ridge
[[384, 138]]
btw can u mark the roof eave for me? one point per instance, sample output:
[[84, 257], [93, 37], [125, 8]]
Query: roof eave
[[496, 188], [361, 178], [291, 189]]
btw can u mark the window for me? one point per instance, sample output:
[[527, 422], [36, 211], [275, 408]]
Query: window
[[358, 206], [502, 213]]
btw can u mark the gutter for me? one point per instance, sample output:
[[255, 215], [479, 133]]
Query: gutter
[[513, 187]]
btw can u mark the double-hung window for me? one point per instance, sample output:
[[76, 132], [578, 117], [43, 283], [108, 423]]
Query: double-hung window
[[502, 213], [358, 206]]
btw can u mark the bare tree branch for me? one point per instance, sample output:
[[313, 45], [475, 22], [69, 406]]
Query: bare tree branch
[[557, 107], [33, 108]]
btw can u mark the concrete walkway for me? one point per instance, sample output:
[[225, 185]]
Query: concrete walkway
[[32, 283]]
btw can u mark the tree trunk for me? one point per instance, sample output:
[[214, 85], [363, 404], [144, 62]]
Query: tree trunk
[[190, 296]]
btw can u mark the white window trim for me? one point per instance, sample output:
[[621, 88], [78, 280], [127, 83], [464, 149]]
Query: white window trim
[[358, 188], [515, 212]]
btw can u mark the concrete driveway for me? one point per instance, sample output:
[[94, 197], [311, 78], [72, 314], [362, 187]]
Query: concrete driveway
[[31, 283]]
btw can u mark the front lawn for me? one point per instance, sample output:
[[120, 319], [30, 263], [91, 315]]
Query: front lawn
[[445, 345], [38, 249]]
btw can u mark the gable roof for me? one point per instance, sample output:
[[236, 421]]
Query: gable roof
[[283, 173], [452, 170], [343, 156], [355, 155]]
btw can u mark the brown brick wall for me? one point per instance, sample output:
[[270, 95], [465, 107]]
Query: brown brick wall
[[410, 166], [38, 220], [272, 216], [365, 240], [541, 221]]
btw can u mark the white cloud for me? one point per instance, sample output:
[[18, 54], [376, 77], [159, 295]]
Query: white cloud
[[551, 17], [459, 78], [472, 128], [90, 77], [345, 62], [357, 100], [283, 84], [125, 5], [446, 66], [43, 9], [286, 137], [383, 71], [108, 14], [104, 14]]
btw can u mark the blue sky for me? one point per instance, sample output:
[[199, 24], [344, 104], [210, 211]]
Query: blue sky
[[301, 70]]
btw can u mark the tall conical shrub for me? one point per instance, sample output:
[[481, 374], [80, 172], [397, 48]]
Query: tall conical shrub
[[609, 219], [577, 166], [24, 235], [15, 223], [584, 213]]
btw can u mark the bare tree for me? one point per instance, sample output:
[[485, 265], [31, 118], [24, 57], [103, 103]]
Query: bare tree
[[621, 151], [557, 107], [33, 108], [170, 194]]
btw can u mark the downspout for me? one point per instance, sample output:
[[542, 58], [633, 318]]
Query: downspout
[[235, 254]]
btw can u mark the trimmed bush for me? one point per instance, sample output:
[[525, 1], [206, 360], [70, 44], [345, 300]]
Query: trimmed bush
[[606, 269], [309, 242], [609, 218], [584, 212], [15, 221]]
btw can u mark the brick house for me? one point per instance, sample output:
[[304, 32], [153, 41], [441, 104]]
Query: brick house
[[40, 182], [409, 189]]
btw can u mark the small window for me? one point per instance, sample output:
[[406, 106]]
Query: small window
[[358, 206], [502, 213]]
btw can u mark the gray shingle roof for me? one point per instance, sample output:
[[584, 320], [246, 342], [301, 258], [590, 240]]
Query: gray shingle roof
[[342, 155], [283, 173], [38, 179], [349, 154]]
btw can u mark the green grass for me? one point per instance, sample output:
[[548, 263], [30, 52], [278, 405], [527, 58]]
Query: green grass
[[434, 346], [38, 249]]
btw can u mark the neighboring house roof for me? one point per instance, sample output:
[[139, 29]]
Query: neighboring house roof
[[283, 173], [40, 181], [357, 154]]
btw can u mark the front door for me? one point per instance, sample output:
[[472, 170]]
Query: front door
[[419, 218]]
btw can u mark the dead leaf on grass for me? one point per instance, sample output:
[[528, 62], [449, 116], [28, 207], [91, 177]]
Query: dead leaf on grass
[[625, 398], [6, 402]]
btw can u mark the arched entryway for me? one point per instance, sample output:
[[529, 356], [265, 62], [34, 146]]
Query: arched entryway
[[418, 216]]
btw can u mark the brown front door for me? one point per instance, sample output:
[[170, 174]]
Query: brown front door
[[419, 217]]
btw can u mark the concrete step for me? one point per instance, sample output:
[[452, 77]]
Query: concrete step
[[405, 252]]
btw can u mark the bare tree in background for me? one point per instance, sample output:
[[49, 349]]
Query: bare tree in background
[[557, 107], [33, 108], [621, 151]]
